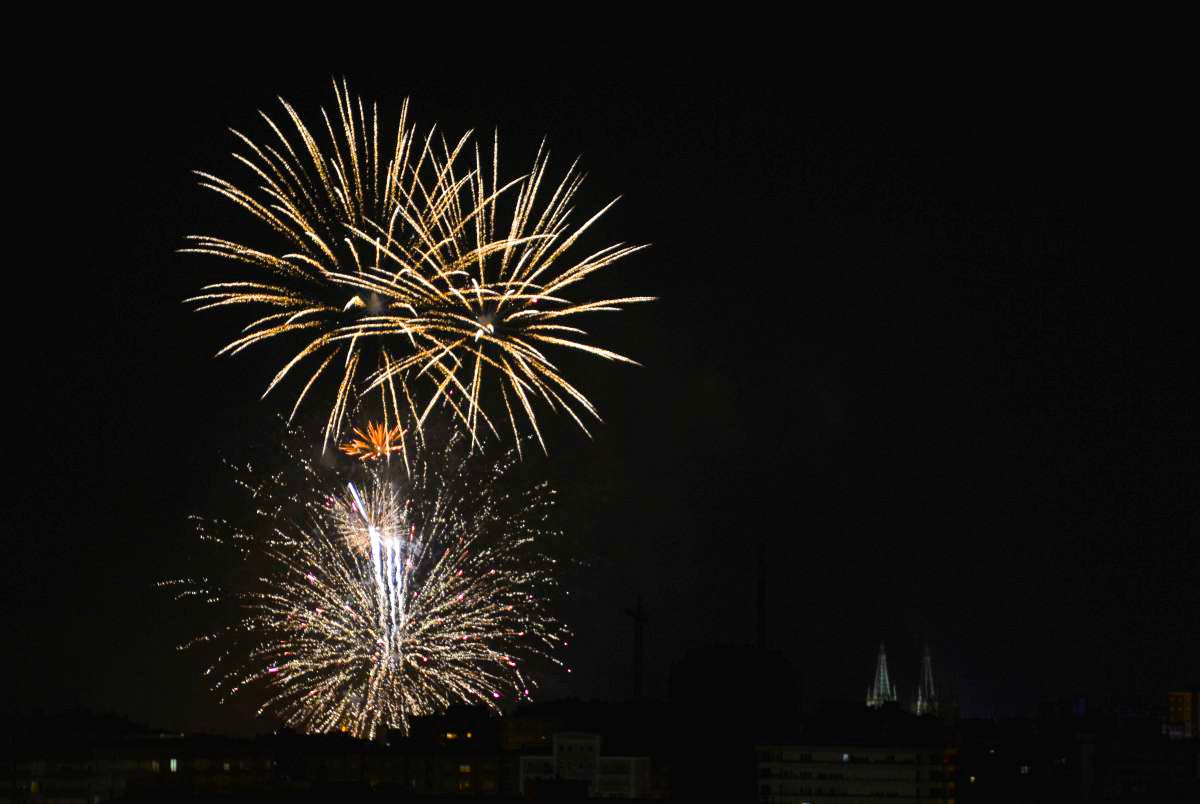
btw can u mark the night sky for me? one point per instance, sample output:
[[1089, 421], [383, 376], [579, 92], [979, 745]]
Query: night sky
[[879, 347]]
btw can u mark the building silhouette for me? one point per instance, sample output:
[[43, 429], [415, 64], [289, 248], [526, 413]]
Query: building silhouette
[[700, 747]]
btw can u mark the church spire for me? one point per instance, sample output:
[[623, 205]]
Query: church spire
[[926, 702], [883, 691]]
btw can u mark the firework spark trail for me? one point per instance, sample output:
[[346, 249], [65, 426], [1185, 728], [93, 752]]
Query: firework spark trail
[[424, 256], [386, 602]]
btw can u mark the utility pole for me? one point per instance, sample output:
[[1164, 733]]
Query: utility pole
[[638, 614], [762, 592]]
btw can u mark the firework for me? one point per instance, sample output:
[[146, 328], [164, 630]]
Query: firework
[[414, 271], [379, 441], [398, 596]]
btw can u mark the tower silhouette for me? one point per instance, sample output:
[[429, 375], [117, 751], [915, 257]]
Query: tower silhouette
[[926, 700], [883, 690]]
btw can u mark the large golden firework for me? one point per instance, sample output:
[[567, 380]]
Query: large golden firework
[[414, 271]]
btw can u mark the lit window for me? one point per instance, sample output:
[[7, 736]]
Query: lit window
[[845, 757], [154, 765], [464, 768], [1024, 770], [174, 764], [451, 735], [226, 765], [972, 780]]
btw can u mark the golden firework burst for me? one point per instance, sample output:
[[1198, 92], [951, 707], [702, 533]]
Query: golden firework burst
[[412, 270]]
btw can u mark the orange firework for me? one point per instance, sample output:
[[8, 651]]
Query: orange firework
[[377, 442]]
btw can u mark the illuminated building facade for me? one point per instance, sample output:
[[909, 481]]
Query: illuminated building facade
[[577, 758], [860, 756], [1183, 715]]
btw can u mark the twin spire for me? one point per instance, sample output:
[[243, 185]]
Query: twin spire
[[883, 691], [926, 701]]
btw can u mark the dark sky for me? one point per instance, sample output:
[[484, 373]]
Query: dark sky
[[879, 347]]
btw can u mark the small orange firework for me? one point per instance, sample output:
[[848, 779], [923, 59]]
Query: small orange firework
[[377, 442]]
